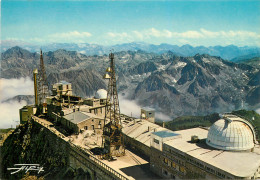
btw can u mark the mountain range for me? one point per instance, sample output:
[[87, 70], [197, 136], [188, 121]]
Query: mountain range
[[226, 52], [172, 84]]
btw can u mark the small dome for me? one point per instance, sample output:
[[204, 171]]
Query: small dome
[[231, 135], [101, 94]]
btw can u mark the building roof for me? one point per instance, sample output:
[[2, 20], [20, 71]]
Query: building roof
[[164, 134], [141, 130], [76, 117], [241, 164], [148, 109], [80, 116], [64, 82]]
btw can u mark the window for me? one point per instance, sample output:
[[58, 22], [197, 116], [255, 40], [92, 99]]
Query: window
[[156, 141], [182, 169], [165, 160], [177, 168], [169, 163], [93, 127], [173, 165], [86, 127], [220, 174]]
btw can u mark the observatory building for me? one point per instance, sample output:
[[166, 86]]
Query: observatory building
[[228, 150], [231, 133]]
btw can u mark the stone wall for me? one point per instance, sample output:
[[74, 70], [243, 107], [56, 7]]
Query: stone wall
[[137, 146]]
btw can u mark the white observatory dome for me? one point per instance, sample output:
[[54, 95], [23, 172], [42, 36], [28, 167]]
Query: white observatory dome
[[231, 133], [101, 94]]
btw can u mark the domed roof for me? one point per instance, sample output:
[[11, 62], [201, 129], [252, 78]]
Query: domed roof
[[228, 134], [101, 94]]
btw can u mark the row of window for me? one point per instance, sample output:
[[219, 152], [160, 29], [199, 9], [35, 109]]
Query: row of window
[[171, 151], [174, 165], [193, 161], [96, 111], [92, 127], [174, 155], [208, 169]]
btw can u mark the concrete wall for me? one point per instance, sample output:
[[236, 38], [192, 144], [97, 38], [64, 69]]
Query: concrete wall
[[99, 111], [68, 124], [172, 164], [97, 123], [137, 146]]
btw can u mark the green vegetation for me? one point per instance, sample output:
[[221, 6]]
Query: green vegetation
[[186, 122]]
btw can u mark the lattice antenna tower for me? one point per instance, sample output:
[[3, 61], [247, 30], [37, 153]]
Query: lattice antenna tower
[[112, 132], [42, 82]]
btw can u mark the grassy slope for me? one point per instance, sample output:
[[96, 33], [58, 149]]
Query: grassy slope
[[185, 122]]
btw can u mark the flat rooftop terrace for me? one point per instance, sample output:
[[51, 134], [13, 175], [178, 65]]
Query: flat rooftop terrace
[[131, 165], [241, 164]]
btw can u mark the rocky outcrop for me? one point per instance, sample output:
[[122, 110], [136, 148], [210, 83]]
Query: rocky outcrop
[[31, 143]]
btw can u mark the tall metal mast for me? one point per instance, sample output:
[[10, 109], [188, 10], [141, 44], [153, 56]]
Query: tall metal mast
[[42, 82], [112, 132]]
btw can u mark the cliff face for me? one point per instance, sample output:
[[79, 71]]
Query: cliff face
[[33, 144]]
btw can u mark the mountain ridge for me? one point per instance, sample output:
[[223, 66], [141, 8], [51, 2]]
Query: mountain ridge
[[226, 52], [171, 84]]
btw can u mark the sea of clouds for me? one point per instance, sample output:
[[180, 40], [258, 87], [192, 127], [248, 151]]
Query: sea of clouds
[[132, 108], [9, 109]]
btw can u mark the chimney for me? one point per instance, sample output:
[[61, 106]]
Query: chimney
[[163, 124]]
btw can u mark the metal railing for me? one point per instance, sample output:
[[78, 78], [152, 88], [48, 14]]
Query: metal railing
[[100, 163]]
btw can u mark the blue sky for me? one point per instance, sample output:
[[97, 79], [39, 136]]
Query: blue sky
[[112, 22]]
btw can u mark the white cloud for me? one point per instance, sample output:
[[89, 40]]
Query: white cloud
[[72, 34], [162, 117], [194, 37], [139, 35], [13, 87], [9, 116], [129, 107], [152, 35], [10, 110], [117, 35], [202, 33]]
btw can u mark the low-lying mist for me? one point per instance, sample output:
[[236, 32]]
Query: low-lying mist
[[9, 88]]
